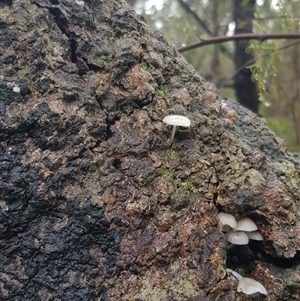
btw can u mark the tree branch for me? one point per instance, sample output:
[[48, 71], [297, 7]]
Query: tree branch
[[248, 36], [203, 25]]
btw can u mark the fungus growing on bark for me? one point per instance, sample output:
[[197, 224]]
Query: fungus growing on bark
[[227, 219], [80, 3], [16, 89], [176, 120], [246, 285], [250, 286], [223, 104], [238, 238], [245, 224], [239, 231], [255, 235]]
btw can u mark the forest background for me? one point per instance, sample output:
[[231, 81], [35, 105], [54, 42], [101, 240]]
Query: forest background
[[261, 74]]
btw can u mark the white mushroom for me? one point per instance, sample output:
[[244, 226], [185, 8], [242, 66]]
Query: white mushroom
[[247, 285], [250, 286], [16, 89], [176, 120], [238, 238], [81, 3], [223, 104], [227, 219], [255, 235], [245, 224]]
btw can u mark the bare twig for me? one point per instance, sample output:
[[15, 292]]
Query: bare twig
[[245, 36]]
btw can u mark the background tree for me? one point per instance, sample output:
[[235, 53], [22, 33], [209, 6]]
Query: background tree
[[245, 88]]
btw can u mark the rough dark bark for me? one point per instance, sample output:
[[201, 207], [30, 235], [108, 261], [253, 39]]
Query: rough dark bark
[[245, 88], [94, 204]]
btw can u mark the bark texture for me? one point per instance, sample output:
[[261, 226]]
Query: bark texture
[[94, 204]]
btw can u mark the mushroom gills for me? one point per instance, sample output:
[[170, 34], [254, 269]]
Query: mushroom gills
[[245, 224], [227, 219]]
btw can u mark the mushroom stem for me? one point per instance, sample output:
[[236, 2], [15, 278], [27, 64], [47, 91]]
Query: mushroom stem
[[173, 134], [176, 120], [235, 274]]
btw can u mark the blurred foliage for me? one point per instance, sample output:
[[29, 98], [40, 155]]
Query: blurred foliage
[[282, 126], [263, 68], [276, 68]]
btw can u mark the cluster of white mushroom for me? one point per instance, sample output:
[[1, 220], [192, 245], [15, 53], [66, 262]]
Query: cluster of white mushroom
[[246, 285], [239, 232]]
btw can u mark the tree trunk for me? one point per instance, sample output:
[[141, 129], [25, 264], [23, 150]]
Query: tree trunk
[[215, 63], [245, 88], [295, 97], [95, 205]]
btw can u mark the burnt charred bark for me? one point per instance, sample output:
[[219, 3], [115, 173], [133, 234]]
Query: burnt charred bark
[[94, 204], [245, 88]]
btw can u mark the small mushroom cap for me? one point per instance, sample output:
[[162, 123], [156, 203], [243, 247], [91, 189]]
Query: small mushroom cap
[[238, 238], [255, 235], [177, 120], [227, 219], [250, 286], [245, 224]]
